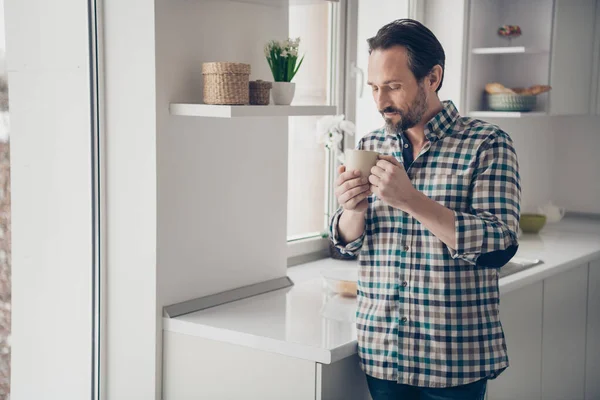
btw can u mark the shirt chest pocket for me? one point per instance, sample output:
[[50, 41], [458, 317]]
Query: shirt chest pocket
[[451, 191]]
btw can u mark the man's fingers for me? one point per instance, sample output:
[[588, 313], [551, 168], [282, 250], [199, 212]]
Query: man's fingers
[[377, 171], [374, 180], [346, 175], [352, 203], [350, 184], [350, 194]]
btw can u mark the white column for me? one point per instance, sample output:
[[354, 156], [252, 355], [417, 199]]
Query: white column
[[48, 71], [132, 333]]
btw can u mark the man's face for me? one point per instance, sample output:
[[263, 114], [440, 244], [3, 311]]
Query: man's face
[[401, 100]]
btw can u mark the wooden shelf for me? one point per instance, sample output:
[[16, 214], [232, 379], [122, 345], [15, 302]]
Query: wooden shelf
[[505, 114], [216, 111], [508, 50]]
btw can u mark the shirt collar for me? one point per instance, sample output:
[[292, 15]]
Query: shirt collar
[[442, 123]]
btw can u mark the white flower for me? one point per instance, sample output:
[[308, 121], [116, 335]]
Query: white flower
[[348, 127], [284, 53], [331, 130], [336, 136], [294, 52], [327, 123]]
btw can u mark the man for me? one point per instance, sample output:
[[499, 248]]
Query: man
[[432, 224]]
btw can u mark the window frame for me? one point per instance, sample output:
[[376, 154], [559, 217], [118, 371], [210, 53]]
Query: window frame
[[314, 245], [343, 36]]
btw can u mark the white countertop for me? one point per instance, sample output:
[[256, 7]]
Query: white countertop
[[305, 322]]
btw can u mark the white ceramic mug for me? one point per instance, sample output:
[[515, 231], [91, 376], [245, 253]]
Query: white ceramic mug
[[362, 160]]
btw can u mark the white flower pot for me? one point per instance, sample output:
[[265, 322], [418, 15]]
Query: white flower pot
[[283, 93]]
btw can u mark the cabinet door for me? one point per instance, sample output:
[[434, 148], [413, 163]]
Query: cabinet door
[[563, 345], [592, 352], [572, 57], [342, 380], [196, 368], [521, 317]]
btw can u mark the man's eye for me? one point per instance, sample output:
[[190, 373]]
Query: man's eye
[[375, 88], [394, 87]]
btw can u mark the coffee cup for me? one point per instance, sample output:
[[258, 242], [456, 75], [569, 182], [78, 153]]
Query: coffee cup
[[361, 160]]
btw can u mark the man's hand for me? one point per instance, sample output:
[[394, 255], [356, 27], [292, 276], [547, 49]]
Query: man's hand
[[390, 182], [352, 190]]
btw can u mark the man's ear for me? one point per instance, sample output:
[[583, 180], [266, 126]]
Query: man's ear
[[434, 78]]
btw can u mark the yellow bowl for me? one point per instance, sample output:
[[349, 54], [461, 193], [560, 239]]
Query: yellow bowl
[[532, 223]]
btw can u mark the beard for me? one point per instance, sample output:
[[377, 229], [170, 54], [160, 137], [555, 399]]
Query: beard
[[409, 118]]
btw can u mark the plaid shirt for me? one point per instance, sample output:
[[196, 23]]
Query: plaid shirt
[[428, 314]]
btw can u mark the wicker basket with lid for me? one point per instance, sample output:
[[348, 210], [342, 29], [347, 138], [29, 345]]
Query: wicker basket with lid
[[226, 83], [260, 92]]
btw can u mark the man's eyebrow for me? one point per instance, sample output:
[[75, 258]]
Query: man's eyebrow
[[386, 82]]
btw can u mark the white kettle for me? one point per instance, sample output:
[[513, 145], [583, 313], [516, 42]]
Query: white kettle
[[552, 212]]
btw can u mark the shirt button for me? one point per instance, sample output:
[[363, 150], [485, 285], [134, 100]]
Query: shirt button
[[405, 248], [406, 145], [404, 283], [404, 319]]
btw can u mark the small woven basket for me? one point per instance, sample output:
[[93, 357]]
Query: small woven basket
[[226, 83], [260, 92]]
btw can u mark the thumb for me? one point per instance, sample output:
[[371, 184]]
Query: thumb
[[341, 169]]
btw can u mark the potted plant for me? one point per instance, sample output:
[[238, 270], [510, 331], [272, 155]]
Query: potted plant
[[283, 61]]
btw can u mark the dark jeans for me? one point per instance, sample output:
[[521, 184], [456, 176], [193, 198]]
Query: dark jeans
[[389, 390]]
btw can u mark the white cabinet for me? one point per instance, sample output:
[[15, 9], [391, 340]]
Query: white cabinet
[[521, 316], [343, 380], [556, 48], [552, 331], [196, 368], [572, 57], [592, 351], [564, 340], [595, 105]]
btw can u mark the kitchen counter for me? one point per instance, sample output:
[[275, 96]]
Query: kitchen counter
[[305, 322]]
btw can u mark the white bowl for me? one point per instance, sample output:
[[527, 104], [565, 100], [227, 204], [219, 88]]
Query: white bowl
[[341, 280]]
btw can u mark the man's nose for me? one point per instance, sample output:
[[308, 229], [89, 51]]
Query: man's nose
[[382, 100]]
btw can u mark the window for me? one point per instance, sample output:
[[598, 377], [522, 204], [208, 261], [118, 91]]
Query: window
[[308, 163]]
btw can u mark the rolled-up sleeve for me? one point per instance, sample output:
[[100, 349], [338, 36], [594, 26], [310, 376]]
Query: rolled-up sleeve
[[350, 249], [492, 222]]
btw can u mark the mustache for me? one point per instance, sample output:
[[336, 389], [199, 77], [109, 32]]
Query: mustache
[[390, 110]]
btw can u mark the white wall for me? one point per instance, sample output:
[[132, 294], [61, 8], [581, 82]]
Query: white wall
[[222, 184], [558, 158], [576, 168], [534, 142], [48, 71], [132, 333], [446, 20]]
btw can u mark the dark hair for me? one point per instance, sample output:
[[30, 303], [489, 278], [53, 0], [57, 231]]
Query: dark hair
[[423, 48]]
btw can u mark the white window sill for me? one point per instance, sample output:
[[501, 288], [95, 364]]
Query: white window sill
[[307, 250]]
